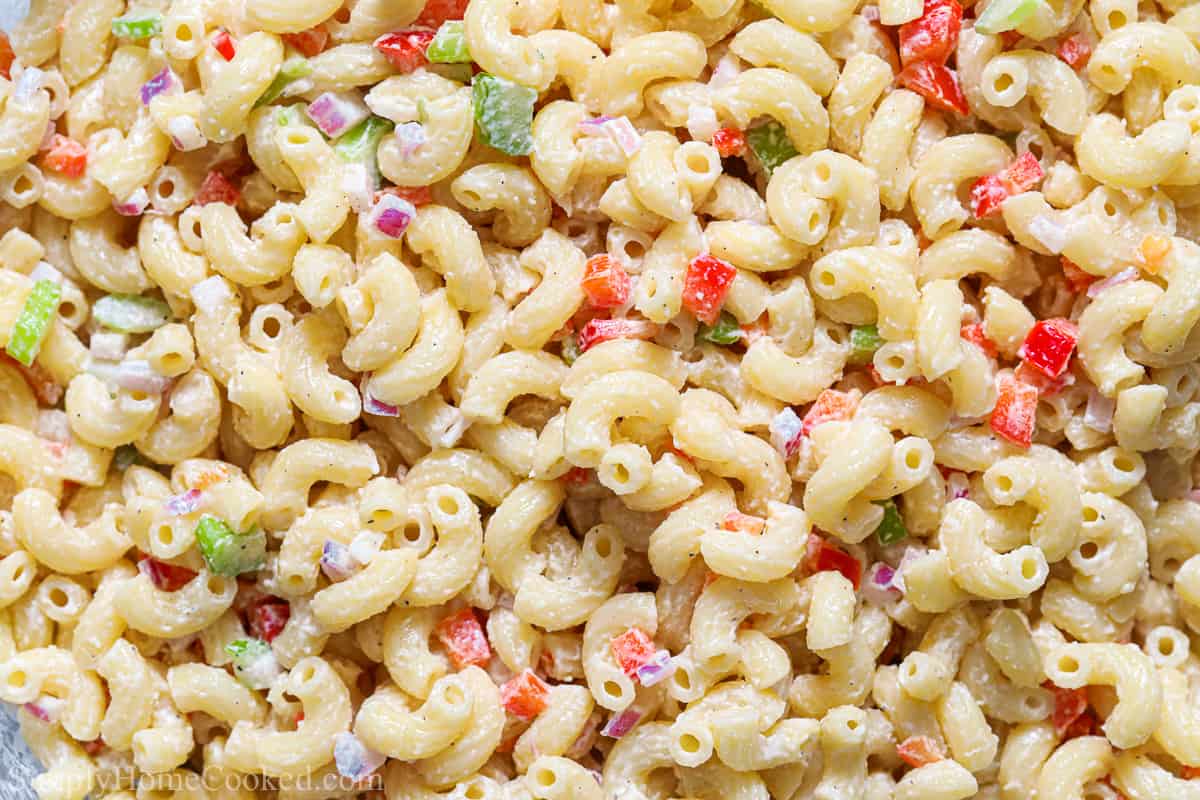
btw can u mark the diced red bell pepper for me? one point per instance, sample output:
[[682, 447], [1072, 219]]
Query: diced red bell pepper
[[743, 523], [937, 84], [223, 44], [933, 36], [990, 191], [706, 285], [464, 639], [605, 282], [165, 577], [405, 50], [1189, 773], [1069, 705], [1077, 279], [1046, 387], [1049, 345], [417, 195], [310, 42], [93, 747], [917, 751], [65, 156], [753, 331], [1015, 414], [1009, 39], [7, 57], [438, 11], [578, 476], [1076, 50], [216, 188], [825, 557], [729, 142], [524, 695], [631, 649], [603, 330], [269, 617], [830, 406], [974, 334]]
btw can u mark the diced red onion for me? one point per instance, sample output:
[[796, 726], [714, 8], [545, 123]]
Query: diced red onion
[[182, 504], [1050, 233], [1194, 495], [54, 426], [211, 293], [1124, 276], [108, 345], [880, 587], [1099, 413], [133, 205], [702, 122], [337, 112], [336, 561], [391, 215], [786, 429], [365, 546], [48, 137], [45, 271], [359, 186], [409, 137], [185, 133], [28, 84], [46, 708], [728, 68], [620, 724], [958, 486], [660, 667], [621, 131], [594, 126], [378, 408], [135, 375], [353, 758], [165, 82]]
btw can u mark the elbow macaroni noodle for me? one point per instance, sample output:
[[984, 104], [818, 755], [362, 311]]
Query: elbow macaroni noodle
[[570, 400]]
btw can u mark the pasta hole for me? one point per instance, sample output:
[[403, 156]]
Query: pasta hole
[[1123, 464], [1110, 210], [447, 505], [621, 473], [183, 34], [852, 724], [19, 572], [613, 689], [59, 598], [307, 673], [682, 679], [912, 459], [634, 249], [474, 792], [454, 695], [139, 396], [166, 188], [17, 679], [1068, 665], [165, 535], [1002, 83], [1090, 514], [1166, 645], [688, 743], [1004, 483], [827, 278], [295, 582], [342, 15], [1088, 550], [823, 172], [697, 163], [382, 517], [67, 310], [1117, 19], [472, 197], [173, 362], [216, 585], [22, 184], [896, 362], [546, 778], [604, 547], [1029, 569]]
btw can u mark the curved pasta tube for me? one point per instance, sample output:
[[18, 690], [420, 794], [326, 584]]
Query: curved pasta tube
[[887, 143], [673, 544], [597, 407], [942, 169], [558, 603], [232, 87], [192, 689], [1043, 481], [377, 336], [1161, 48], [327, 712], [107, 419], [1111, 554], [547, 308], [42, 531], [1054, 86], [102, 260], [507, 376], [1179, 718], [851, 668], [488, 27], [326, 205], [410, 663], [305, 349], [165, 258], [521, 205], [477, 474], [386, 724], [609, 684], [637, 62], [759, 558], [18, 406], [1106, 152], [448, 568], [633, 759], [1140, 778], [855, 454], [877, 273], [557, 158], [53, 671], [1124, 667], [368, 592], [1166, 328], [774, 43], [448, 126], [616, 354], [722, 607], [470, 751], [280, 16], [430, 359], [122, 163], [301, 464], [22, 126], [1102, 329], [257, 258], [826, 198], [978, 568], [192, 425], [967, 252], [779, 94], [558, 727], [507, 540], [450, 246], [198, 604], [794, 379]]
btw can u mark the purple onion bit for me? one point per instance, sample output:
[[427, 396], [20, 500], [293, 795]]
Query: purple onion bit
[[166, 81]]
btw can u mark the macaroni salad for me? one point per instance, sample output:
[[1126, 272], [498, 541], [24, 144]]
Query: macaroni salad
[[586, 400]]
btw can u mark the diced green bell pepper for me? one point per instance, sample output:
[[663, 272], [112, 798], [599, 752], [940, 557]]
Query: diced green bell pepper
[[770, 145], [504, 114], [227, 552], [725, 331]]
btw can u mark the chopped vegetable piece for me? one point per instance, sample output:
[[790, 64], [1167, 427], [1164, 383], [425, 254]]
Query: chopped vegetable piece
[[223, 44], [864, 341], [165, 577], [603, 330], [405, 50], [65, 156], [360, 144], [464, 639], [724, 331], [438, 11], [729, 142], [974, 334], [1049, 344], [524, 695], [269, 617], [1076, 50], [605, 282], [216, 188], [1004, 15], [937, 84], [917, 751], [7, 56], [291, 70], [570, 349], [1015, 413], [33, 323], [417, 195], [830, 406], [165, 81], [1046, 387], [131, 313], [1077, 279], [990, 191], [787, 430], [825, 557], [392, 215], [770, 145], [621, 723], [660, 667], [705, 286], [631, 649], [449, 45], [1069, 705], [1154, 249], [504, 113], [227, 552], [578, 476], [137, 25], [891, 528], [353, 759], [743, 523], [134, 204], [932, 36], [126, 456], [254, 663], [182, 504], [310, 42], [1188, 773]]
